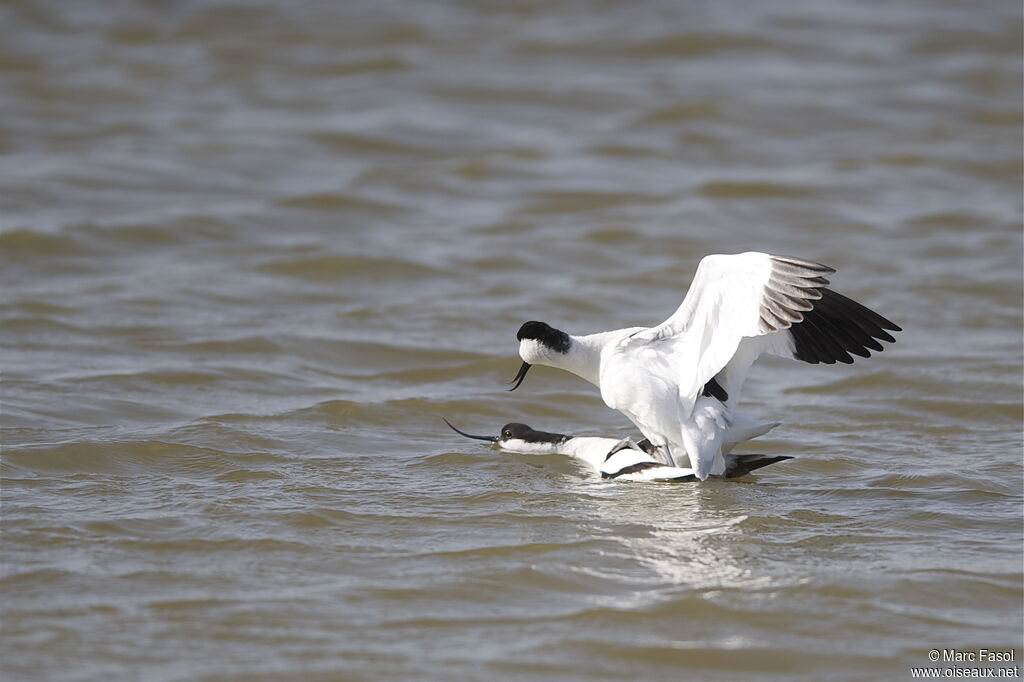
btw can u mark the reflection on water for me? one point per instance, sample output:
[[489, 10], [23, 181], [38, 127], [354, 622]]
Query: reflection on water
[[253, 252]]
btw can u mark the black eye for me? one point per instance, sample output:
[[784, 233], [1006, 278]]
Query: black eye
[[508, 434]]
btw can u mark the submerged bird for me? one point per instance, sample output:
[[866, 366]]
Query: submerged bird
[[630, 463], [679, 382]]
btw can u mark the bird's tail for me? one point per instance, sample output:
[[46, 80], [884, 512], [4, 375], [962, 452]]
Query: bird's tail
[[742, 429], [741, 465], [703, 436]]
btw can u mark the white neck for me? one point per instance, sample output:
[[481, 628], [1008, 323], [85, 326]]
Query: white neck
[[584, 356]]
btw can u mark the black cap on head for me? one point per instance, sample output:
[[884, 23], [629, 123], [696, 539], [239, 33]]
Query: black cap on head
[[524, 432], [546, 335]]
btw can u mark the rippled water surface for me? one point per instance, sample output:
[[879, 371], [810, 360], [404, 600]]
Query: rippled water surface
[[253, 252]]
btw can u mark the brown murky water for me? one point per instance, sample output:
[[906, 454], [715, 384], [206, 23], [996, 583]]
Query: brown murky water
[[252, 252]]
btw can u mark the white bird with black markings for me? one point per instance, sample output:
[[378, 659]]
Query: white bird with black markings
[[630, 463], [679, 382]]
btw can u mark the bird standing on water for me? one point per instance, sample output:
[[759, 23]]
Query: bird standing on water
[[679, 382]]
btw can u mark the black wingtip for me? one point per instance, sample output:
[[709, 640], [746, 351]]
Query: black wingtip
[[837, 326]]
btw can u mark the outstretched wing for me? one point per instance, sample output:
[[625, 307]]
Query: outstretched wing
[[742, 305]]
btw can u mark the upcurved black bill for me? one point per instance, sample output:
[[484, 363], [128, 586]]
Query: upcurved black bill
[[491, 439], [518, 379]]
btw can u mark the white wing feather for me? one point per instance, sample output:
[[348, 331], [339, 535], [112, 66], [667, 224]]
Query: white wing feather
[[733, 298], [730, 315]]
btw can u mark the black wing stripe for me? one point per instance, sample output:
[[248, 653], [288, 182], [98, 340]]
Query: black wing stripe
[[869, 314], [807, 348], [817, 326], [825, 326], [857, 322], [854, 330], [836, 327], [863, 339], [863, 317], [815, 343], [631, 469], [712, 389], [646, 446], [839, 306]]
